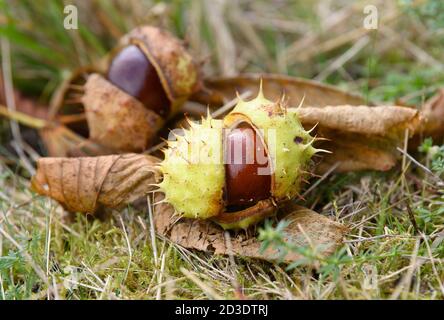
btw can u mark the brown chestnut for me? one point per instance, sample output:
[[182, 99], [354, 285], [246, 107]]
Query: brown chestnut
[[131, 71], [245, 153]]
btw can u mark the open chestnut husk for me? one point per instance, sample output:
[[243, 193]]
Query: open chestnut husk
[[177, 71], [203, 181], [150, 75]]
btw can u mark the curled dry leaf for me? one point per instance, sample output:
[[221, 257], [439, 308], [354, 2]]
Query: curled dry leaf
[[352, 154], [433, 118], [221, 90], [61, 142], [117, 120], [360, 137], [87, 184], [305, 227], [380, 121]]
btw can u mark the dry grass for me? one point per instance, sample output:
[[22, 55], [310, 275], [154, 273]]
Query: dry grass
[[395, 245]]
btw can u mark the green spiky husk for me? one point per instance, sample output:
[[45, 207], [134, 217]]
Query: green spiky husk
[[193, 182], [289, 145], [195, 189]]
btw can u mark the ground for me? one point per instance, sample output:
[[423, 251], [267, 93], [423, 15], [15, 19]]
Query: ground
[[394, 247]]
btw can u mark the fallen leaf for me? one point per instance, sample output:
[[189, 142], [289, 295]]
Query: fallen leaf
[[305, 226], [433, 118], [218, 91], [117, 120], [384, 121], [86, 184], [63, 142], [360, 137], [348, 156]]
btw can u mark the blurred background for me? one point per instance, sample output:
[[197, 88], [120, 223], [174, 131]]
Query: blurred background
[[325, 40]]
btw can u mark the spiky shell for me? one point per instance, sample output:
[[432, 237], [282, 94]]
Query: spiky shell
[[195, 185], [289, 145], [193, 171]]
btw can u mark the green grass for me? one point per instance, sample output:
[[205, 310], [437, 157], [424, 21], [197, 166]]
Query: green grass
[[394, 247], [91, 259]]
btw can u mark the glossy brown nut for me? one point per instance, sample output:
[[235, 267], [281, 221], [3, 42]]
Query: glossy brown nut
[[175, 67], [245, 155], [131, 71]]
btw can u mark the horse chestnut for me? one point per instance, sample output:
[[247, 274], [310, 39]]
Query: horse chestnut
[[211, 186], [131, 71], [245, 154], [170, 68], [149, 77]]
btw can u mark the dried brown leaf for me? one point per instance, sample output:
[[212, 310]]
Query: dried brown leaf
[[350, 156], [306, 227], [86, 184], [360, 137], [384, 121], [117, 120], [433, 117], [62, 142], [315, 94]]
